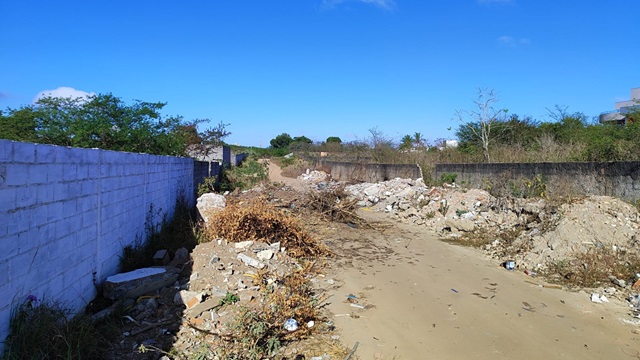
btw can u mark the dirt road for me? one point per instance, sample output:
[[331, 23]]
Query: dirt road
[[426, 299], [439, 301]]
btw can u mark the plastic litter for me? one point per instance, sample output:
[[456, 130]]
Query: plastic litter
[[291, 325]]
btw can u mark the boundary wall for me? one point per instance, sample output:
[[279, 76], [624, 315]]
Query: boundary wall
[[67, 213], [361, 172], [618, 179]]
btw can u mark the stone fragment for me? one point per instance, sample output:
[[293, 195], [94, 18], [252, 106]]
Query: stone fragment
[[461, 225], [139, 282], [243, 244], [249, 261], [210, 203], [203, 306], [181, 257], [161, 258], [187, 298], [265, 254]]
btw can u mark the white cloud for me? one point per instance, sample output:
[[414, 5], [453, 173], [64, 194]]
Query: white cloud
[[384, 4], [512, 41], [63, 92]]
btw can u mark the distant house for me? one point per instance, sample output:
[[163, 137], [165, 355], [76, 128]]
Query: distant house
[[219, 154], [623, 109]]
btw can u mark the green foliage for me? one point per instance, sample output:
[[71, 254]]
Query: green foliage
[[334, 139], [209, 185], [100, 121], [244, 176], [281, 141], [287, 161], [45, 330], [448, 178], [406, 143]]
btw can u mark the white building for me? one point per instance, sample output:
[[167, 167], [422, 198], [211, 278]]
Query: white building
[[623, 108]]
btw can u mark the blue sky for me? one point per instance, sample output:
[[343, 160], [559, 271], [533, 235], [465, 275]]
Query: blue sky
[[324, 68]]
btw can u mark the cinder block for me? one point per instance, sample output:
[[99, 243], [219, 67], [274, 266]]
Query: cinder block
[[46, 153], [54, 173], [38, 216], [6, 150], [82, 171], [18, 221], [63, 154], [54, 211], [16, 175], [44, 193], [24, 152], [7, 199], [25, 196], [37, 174], [69, 172], [60, 191]]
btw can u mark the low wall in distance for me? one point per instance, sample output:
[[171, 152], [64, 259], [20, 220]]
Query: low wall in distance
[[360, 172], [618, 179]]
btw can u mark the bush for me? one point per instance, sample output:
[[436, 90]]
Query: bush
[[244, 176]]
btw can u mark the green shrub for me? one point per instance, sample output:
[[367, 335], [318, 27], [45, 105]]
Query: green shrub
[[448, 178], [244, 176]]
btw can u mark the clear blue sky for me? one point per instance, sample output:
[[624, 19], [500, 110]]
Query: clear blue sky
[[324, 68]]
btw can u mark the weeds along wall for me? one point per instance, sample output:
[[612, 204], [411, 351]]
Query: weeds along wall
[[67, 213], [619, 179]]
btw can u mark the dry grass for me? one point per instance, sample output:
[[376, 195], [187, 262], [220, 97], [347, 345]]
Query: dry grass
[[257, 220], [257, 330], [334, 205], [593, 268]]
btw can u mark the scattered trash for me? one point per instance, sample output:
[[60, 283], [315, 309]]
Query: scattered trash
[[311, 323], [357, 306], [291, 325], [454, 290], [596, 298], [509, 264]]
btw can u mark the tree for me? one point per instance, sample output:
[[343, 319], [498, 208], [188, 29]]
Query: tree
[[334, 139], [203, 143], [18, 125], [281, 141], [418, 140], [99, 121], [302, 139], [406, 143], [480, 124]]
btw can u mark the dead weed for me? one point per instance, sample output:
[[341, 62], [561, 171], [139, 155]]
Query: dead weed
[[260, 221]]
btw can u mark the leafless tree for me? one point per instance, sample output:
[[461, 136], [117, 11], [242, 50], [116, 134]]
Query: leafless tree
[[481, 121]]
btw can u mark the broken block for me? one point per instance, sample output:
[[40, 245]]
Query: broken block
[[132, 284]]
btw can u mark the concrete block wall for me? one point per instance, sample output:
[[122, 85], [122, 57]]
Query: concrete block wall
[[346, 171], [67, 213], [618, 179]]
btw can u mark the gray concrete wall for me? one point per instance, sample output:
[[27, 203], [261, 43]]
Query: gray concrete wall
[[619, 179], [67, 213], [359, 172]]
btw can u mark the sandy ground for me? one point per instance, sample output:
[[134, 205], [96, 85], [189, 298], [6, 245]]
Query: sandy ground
[[426, 299]]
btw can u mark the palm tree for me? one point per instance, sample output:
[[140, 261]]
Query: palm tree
[[417, 140], [406, 143]]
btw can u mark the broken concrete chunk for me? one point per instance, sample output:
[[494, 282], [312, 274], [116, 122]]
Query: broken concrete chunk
[[181, 257], [203, 306], [187, 298], [210, 203], [265, 254], [249, 261], [161, 258], [243, 244], [139, 282], [461, 225]]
